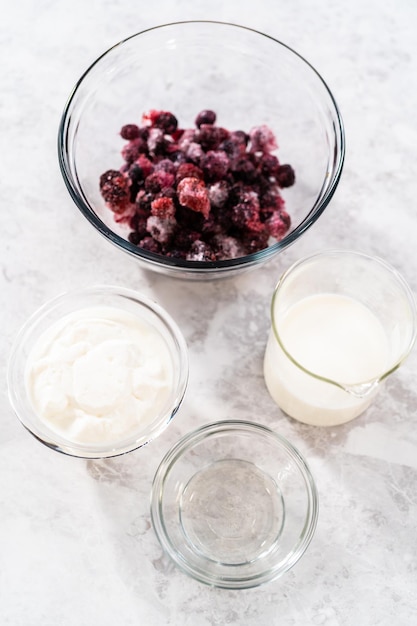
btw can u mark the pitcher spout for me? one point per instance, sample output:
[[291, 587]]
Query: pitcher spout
[[362, 390]]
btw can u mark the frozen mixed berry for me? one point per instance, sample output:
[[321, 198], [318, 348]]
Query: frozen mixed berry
[[215, 165], [285, 176], [205, 117], [186, 170], [202, 193], [158, 180], [132, 150], [130, 131], [114, 187], [278, 224], [150, 244], [262, 139], [200, 251], [166, 121], [218, 193], [161, 229], [210, 137], [192, 193], [163, 207]]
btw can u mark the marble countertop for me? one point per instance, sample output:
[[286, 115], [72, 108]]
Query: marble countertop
[[76, 543]]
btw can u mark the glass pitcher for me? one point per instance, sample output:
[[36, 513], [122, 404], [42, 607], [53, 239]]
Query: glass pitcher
[[341, 322]]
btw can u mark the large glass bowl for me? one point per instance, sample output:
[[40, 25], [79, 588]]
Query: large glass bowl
[[54, 312], [234, 504], [246, 77]]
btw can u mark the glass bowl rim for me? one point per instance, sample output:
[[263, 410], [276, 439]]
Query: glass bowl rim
[[175, 454], [129, 443], [182, 265]]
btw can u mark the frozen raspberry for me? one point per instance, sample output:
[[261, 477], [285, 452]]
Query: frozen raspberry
[[163, 207], [210, 137], [130, 131], [114, 188], [192, 193], [205, 117], [132, 150], [218, 193], [262, 139], [285, 176], [161, 229], [215, 165], [200, 251], [186, 170]]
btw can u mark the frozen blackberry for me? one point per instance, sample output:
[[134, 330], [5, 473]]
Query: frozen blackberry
[[114, 187]]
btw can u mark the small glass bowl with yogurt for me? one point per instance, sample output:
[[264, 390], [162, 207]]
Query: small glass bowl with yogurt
[[98, 372]]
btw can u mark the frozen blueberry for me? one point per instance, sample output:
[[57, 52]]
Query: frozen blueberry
[[130, 131], [205, 117], [285, 176]]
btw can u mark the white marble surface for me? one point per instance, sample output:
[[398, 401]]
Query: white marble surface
[[76, 544]]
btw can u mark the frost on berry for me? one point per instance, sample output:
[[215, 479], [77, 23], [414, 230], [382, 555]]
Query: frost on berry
[[192, 193], [114, 187], [163, 207], [262, 139], [161, 229]]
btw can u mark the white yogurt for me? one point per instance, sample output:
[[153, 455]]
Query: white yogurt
[[99, 375], [332, 336]]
